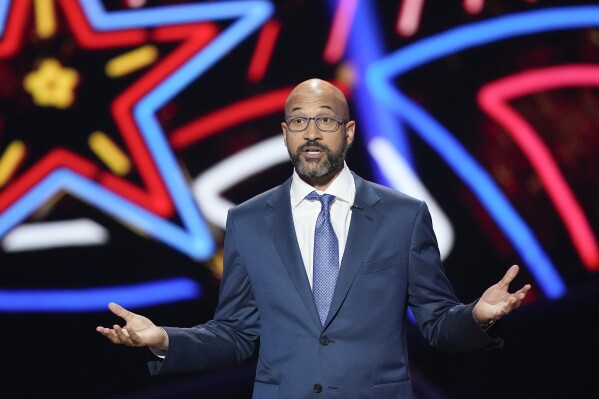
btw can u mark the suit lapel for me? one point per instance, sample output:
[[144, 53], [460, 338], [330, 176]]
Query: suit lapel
[[279, 221], [365, 220]]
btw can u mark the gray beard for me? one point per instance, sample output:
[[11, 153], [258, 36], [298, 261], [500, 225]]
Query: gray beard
[[333, 161]]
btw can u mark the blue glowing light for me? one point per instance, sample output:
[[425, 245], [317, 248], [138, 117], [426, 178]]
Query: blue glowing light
[[4, 6], [97, 298], [379, 78]]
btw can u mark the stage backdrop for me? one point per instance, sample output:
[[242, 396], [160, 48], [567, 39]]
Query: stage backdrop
[[129, 128]]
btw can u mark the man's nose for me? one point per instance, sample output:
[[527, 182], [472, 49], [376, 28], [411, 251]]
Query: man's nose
[[312, 132]]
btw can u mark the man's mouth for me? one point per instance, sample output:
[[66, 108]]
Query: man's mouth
[[312, 151]]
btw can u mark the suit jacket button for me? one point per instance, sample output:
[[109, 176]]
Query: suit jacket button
[[317, 388], [324, 340]]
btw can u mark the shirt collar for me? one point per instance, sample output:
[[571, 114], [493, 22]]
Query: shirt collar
[[343, 187]]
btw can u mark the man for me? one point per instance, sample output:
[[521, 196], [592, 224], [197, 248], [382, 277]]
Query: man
[[324, 281]]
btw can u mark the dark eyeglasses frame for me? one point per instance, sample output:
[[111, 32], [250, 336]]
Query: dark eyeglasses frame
[[337, 118]]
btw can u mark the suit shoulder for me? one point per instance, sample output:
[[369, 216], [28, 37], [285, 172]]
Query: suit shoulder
[[390, 195], [255, 203]]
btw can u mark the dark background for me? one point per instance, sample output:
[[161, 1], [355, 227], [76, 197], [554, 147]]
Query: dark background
[[550, 344]]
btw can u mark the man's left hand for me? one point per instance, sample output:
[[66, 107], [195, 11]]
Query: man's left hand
[[496, 301]]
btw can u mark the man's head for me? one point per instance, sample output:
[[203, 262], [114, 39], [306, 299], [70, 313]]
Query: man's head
[[318, 151]]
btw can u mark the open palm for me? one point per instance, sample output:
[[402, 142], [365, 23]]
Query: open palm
[[138, 330], [496, 301]]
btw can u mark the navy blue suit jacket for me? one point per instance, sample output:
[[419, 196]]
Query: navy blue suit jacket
[[391, 261]]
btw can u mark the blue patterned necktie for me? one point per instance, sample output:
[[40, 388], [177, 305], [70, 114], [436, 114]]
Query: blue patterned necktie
[[326, 256]]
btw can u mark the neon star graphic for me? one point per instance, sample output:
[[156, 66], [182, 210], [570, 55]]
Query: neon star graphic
[[163, 193]]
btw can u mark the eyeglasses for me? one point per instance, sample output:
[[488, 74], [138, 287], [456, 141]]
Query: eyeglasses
[[325, 123]]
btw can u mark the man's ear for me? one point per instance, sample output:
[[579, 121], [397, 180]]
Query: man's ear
[[284, 128], [350, 129]]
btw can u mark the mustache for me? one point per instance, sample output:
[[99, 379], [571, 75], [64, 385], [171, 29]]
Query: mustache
[[313, 144]]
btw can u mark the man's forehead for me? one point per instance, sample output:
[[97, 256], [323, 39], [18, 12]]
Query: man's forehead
[[321, 100], [300, 106], [317, 93]]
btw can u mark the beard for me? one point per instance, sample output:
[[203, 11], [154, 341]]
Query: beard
[[312, 168]]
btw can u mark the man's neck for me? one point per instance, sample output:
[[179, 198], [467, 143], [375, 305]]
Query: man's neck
[[321, 183]]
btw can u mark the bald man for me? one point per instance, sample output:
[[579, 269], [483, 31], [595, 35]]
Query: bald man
[[321, 270]]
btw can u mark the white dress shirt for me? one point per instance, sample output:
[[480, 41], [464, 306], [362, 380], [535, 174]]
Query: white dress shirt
[[305, 213]]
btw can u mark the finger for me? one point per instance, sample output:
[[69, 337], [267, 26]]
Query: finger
[[119, 311], [524, 290], [521, 293], [108, 333], [122, 336], [509, 276], [135, 339], [514, 302], [103, 330]]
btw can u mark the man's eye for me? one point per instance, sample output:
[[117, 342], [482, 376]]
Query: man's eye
[[325, 119]]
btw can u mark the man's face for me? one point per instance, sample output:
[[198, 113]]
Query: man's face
[[314, 153]]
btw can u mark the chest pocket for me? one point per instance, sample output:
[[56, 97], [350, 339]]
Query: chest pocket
[[378, 265]]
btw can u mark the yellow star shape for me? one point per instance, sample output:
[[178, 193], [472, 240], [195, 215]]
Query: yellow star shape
[[52, 85]]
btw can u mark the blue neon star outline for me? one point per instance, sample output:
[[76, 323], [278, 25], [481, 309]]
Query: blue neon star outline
[[193, 238]]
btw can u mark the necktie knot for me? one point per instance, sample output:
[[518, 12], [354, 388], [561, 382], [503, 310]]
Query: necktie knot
[[325, 199]]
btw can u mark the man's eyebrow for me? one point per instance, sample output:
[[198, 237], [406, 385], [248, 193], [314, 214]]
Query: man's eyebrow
[[322, 106]]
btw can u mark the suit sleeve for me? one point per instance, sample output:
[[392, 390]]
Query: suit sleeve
[[231, 337], [446, 323]]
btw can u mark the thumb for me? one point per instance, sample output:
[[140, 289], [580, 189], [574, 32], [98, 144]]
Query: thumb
[[120, 311]]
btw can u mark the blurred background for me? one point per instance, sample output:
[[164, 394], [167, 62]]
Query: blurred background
[[128, 128]]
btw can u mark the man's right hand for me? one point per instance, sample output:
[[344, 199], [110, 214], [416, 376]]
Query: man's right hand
[[138, 331]]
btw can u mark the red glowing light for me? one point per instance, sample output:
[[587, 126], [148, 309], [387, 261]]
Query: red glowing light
[[493, 99]]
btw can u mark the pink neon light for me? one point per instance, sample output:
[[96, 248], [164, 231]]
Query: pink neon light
[[408, 19], [342, 21], [264, 48], [473, 6], [493, 99]]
